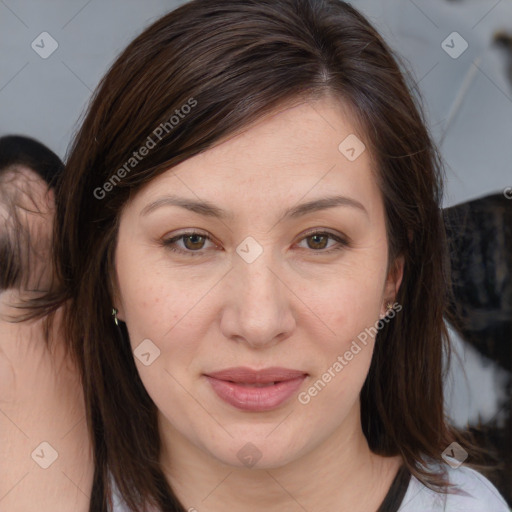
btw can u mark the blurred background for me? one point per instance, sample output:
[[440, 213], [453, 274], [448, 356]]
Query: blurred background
[[459, 56]]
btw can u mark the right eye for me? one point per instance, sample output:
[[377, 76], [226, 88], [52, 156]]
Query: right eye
[[193, 239]]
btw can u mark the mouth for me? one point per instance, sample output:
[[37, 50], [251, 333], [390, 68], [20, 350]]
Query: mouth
[[253, 390]]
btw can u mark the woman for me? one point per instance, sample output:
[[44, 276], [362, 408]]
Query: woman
[[254, 195]]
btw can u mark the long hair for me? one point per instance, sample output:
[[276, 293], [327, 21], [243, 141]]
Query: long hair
[[198, 74]]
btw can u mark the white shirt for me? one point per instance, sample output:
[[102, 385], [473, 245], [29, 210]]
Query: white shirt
[[475, 493]]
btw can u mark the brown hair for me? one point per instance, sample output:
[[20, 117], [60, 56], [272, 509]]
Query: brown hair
[[235, 61]]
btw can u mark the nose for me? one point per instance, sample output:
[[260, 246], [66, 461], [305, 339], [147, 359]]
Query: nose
[[257, 306]]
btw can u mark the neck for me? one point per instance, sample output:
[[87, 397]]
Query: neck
[[26, 355], [41, 400], [11, 300], [341, 474]]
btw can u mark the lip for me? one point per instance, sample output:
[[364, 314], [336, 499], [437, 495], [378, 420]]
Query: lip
[[239, 386]]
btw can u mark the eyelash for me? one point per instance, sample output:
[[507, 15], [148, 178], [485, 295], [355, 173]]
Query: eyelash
[[169, 244]]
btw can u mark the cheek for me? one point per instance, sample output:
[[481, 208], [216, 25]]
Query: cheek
[[348, 306], [164, 335], [157, 310], [150, 302], [349, 301], [342, 300], [163, 309], [351, 312]]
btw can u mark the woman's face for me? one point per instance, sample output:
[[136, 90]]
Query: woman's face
[[261, 291]]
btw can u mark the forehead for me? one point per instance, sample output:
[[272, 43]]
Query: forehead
[[296, 151]]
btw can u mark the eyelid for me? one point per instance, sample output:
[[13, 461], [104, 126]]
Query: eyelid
[[323, 231]]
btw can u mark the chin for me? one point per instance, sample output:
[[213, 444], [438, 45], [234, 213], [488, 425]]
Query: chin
[[256, 452]]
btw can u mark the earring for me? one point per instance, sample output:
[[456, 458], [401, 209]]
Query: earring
[[389, 307], [114, 314]]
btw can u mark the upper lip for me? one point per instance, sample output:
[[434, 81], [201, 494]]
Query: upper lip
[[249, 376]]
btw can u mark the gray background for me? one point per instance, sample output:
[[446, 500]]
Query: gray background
[[468, 100]]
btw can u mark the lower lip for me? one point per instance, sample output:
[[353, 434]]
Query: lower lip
[[249, 398]]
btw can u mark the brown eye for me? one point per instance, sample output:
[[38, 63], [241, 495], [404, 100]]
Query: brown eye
[[192, 243], [196, 241], [317, 241]]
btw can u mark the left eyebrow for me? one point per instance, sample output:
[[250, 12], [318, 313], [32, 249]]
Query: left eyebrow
[[323, 203], [208, 209]]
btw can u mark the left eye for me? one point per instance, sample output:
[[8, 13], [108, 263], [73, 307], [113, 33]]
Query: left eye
[[194, 242], [320, 238]]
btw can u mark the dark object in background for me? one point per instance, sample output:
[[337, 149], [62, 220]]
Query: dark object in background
[[18, 151], [28, 152], [480, 243], [504, 40]]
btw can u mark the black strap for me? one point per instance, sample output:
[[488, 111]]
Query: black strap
[[396, 493]]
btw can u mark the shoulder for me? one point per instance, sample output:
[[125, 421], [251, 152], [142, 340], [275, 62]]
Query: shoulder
[[472, 493], [118, 503]]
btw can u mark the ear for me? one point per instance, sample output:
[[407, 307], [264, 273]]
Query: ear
[[50, 199], [393, 281]]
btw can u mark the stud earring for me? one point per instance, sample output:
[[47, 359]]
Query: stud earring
[[389, 307], [114, 314]]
